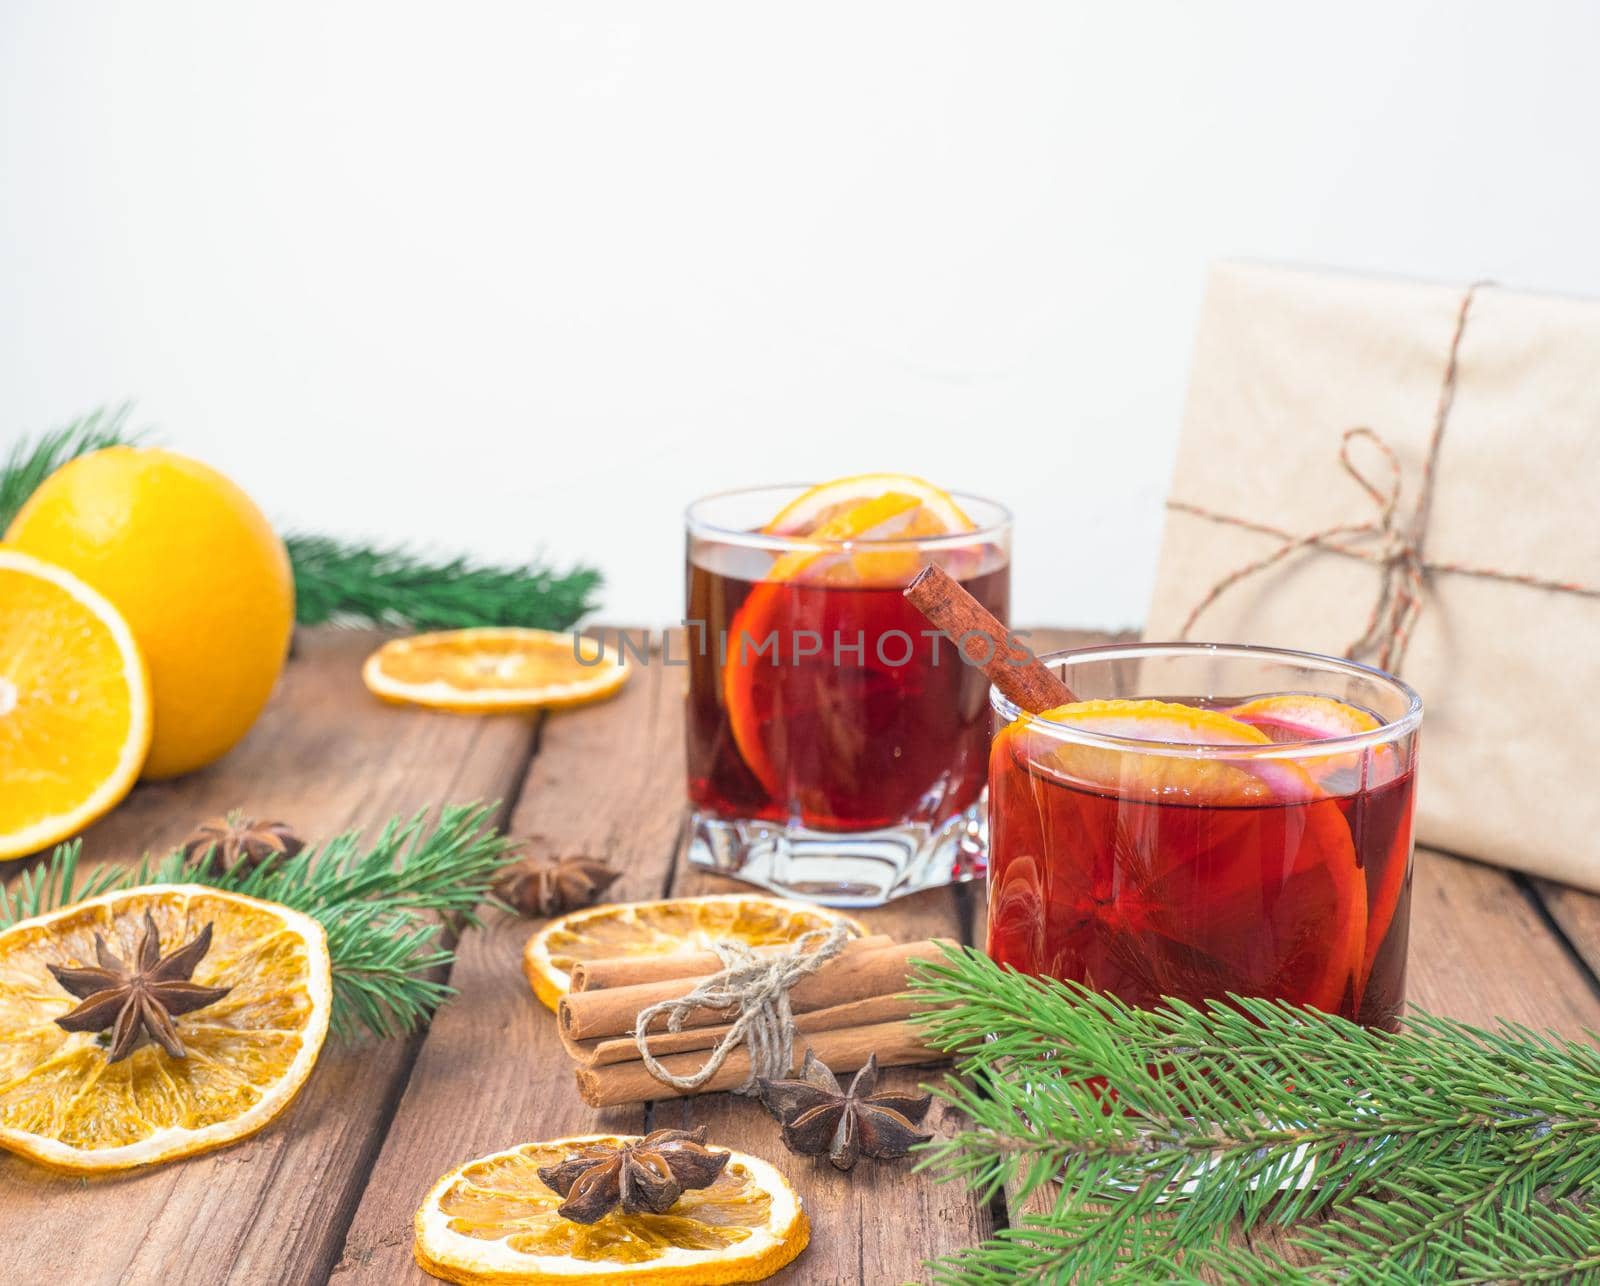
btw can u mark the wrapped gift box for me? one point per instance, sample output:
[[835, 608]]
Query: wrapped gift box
[[1487, 600]]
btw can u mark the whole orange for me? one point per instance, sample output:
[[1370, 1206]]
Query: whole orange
[[197, 571]]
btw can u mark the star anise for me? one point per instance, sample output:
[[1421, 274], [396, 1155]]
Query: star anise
[[644, 1177], [241, 843], [552, 886], [819, 1117], [145, 999]]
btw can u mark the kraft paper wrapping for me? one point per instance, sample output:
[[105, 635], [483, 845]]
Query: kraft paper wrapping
[[1285, 361]]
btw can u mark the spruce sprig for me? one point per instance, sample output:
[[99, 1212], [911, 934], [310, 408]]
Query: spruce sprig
[[349, 582], [379, 903], [1444, 1152]]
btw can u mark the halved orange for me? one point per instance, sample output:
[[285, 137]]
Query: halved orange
[[75, 705], [664, 928], [63, 1104], [494, 1220], [1196, 849], [494, 670]]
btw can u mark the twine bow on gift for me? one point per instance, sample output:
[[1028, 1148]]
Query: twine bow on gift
[[758, 986], [1390, 540]]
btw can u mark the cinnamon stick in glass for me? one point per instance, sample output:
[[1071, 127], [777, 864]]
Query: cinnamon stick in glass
[[984, 642], [844, 1050]]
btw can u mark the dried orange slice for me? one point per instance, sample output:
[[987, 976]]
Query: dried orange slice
[[62, 1103], [75, 705], [494, 1220], [664, 928], [807, 513], [494, 670]]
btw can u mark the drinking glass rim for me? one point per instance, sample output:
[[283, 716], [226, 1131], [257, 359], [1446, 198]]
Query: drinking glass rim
[[1350, 742], [763, 540]]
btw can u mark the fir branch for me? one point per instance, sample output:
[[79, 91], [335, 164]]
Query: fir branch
[[1441, 1150], [349, 582], [376, 902], [376, 585], [33, 460]]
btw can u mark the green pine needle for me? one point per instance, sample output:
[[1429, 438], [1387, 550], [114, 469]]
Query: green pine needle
[[353, 583], [33, 460], [379, 903], [348, 582], [1444, 1152]]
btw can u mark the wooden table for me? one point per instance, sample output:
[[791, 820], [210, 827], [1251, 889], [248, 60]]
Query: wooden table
[[328, 1191]]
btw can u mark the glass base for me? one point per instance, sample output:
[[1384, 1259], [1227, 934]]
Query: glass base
[[864, 869]]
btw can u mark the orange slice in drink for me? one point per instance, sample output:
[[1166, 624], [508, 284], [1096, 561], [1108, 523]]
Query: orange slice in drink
[[1303, 716], [1177, 778], [806, 513], [889, 517], [847, 519], [1307, 717], [1274, 879], [1297, 716]]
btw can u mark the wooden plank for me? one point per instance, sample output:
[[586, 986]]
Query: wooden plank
[[1480, 950], [325, 756], [492, 1073], [1577, 914]]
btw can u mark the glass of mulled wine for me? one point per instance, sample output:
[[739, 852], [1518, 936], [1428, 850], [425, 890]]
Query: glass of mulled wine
[[837, 744], [1205, 820]]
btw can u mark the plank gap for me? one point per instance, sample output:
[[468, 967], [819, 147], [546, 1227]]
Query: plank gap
[[1533, 893]]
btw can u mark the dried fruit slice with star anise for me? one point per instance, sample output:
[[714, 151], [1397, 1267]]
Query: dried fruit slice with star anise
[[145, 997]]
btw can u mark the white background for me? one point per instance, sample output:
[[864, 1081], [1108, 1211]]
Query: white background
[[519, 277]]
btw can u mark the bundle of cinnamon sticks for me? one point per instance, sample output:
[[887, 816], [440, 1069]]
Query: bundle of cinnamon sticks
[[851, 1007]]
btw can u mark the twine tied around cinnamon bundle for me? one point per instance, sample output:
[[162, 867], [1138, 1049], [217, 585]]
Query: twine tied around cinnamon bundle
[[1390, 540], [758, 986]]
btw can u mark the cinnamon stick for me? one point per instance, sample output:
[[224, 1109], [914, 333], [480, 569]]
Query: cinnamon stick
[[984, 642], [627, 971], [844, 1050], [876, 971], [605, 1051]]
